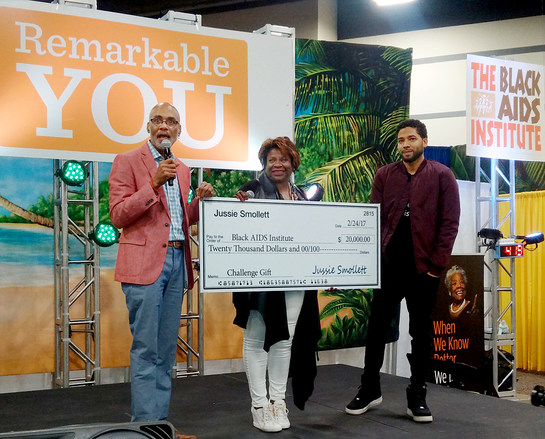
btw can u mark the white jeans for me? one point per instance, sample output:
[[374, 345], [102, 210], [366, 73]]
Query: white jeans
[[277, 361]]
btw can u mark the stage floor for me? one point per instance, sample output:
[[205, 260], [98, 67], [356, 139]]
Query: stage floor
[[218, 406]]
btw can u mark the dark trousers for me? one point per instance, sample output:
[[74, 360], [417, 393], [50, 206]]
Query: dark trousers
[[420, 293]]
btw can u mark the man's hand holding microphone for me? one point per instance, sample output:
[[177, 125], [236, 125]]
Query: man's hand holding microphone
[[166, 172]]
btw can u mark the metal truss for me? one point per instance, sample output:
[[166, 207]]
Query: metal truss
[[501, 275], [192, 314], [77, 291], [77, 282], [77, 339]]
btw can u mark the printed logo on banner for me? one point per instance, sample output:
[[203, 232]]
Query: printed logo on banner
[[84, 84], [504, 107], [483, 104]]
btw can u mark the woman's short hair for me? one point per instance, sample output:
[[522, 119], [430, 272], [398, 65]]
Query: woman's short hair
[[453, 270], [286, 147]]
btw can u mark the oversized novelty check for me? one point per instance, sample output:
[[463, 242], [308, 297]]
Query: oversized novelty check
[[267, 245]]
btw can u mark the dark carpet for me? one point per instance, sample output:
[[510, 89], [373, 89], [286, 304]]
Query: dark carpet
[[218, 406]]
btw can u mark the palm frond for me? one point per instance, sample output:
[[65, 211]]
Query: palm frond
[[461, 165], [388, 132], [349, 178], [336, 134], [531, 176], [309, 50], [321, 88], [345, 293], [399, 59], [305, 70], [334, 307]]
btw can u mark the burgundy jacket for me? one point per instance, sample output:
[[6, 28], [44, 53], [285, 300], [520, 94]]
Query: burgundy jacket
[[144, 217], [435, 210]]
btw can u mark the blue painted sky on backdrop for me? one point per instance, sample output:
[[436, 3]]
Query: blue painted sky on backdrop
[[23, 180]]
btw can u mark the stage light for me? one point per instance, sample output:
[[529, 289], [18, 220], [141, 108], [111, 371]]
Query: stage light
[[72, 173], [104, 234], [191, 195], [493, 234], [314, 192], [533, 238], [490, 237], [391, 2]]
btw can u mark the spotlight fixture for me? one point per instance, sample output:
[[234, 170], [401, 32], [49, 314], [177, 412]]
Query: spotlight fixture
[[532, 238], [493, 234], [72, 173], [104, 234], [391, 2], [314, 192]]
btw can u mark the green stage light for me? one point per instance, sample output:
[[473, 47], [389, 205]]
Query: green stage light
[[104, 234], [73, 173]]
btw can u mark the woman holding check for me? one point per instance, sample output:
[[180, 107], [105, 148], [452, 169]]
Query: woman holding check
[[278, 326]]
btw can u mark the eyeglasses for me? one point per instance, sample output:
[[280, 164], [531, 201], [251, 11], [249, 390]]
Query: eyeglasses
[[171, 122]]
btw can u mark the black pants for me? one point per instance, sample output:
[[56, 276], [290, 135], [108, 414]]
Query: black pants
[[420, 293]]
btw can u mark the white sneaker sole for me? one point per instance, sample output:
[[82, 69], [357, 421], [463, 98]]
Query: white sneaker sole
[[419, 418], [269, 430], [361, 411]]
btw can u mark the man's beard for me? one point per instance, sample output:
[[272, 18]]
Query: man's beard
[[414, 157]]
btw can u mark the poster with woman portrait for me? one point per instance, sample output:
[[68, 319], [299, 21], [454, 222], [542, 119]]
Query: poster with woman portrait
[[458, 324]]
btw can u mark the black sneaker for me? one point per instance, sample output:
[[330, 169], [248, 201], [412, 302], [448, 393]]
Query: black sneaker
[[363, 401], [416, 404]]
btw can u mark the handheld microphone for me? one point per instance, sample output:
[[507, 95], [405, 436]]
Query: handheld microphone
[[251, 187], [166, 144]]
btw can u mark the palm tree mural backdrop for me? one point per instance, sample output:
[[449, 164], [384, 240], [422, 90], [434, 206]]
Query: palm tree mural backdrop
[[349, 100]]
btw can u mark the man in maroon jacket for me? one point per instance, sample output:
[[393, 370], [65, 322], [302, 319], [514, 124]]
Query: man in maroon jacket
[[419, 210], [149, 191]]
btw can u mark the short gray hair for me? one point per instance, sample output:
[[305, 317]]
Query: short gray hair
[[453, 270]]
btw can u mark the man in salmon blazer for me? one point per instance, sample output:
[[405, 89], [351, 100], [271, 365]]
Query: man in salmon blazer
[[149, 191]]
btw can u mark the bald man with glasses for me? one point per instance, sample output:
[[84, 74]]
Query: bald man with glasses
[[149, 191]]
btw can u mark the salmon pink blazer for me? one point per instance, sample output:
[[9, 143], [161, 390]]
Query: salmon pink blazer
[[143, 215]]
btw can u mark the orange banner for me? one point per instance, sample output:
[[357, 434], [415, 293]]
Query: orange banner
[[84, 84]]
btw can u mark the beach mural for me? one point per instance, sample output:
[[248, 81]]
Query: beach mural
[[28, 183], [27, 295], [26, 249], [27, 292]]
